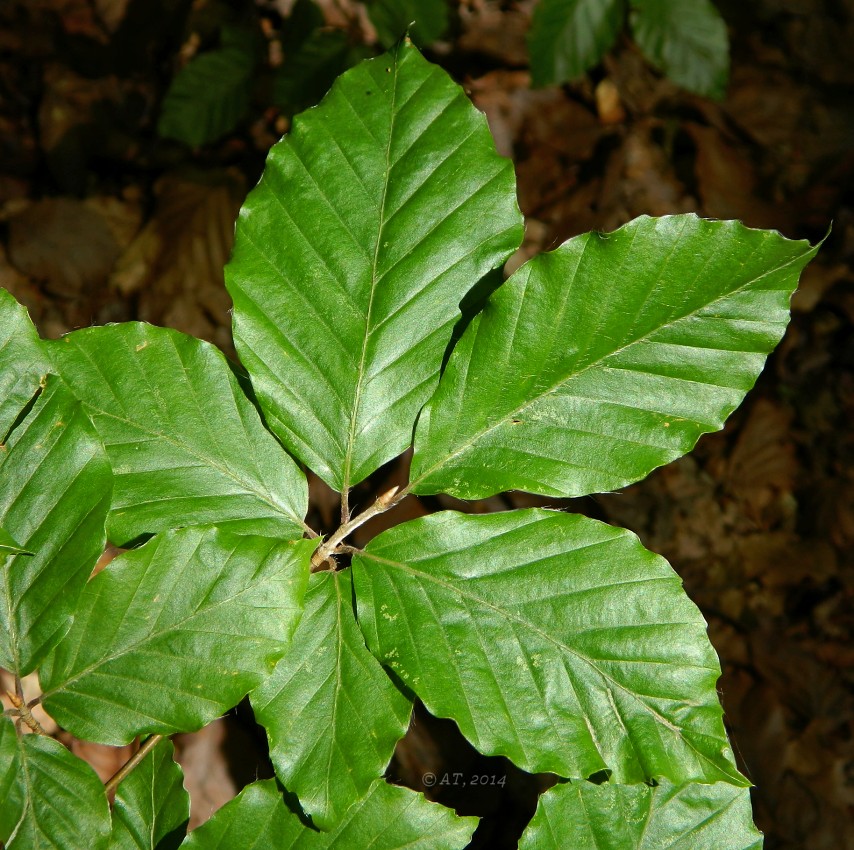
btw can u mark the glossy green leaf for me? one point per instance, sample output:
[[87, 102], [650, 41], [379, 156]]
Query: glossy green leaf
[[686, 39], [550, 638], [378, 212], [55, 486], [152, 808], [425, 21], [210, 94], [23, 361], [597, 362], [568, 37], [186, 445], [10, 546], [11, 791], [636, 817], [386, 818], [331, 713], [171, 635], [256, 819], [52, 798]]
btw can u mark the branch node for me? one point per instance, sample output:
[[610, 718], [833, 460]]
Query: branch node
[[22, 711]]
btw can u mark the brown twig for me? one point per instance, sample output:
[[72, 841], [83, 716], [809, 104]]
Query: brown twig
[[113, 782], [21, 709], [383, 503], [345, 506]]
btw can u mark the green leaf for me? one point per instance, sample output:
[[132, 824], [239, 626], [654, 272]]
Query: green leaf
[[55, 799], [308, 72], [332, 714], [378, 212], [686, 39], [11, 792], [600, 361], [187, 446], [568, 37], [635, 817], [9, 545], [386, 818], [425, 21], [23, 361], [256, 819], [152, 808], [209, 95], [55, 486], [550, 638], [171, 635]]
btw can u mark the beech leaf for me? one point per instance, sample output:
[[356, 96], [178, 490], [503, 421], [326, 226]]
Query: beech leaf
[[584, 816], [550, 638], [568, 37], [55, 487], [40, 777], [171, 635], [11, 792], [211, 93], [377, 213], [152, 808], [606, 358], [23, 361], [186, 445], [386, 818], [332, 714], [686, 39]]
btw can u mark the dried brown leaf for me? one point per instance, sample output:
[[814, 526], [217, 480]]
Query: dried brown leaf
[[763, 463], [68, 101], [176, 261], [727, 182], [495, 31], [64, 243]]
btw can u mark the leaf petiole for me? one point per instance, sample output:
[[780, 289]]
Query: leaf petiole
[[113, 782]]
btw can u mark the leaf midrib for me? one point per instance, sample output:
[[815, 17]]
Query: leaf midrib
[[597, 362], [206, 460], [360, 375], [339, 640]]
